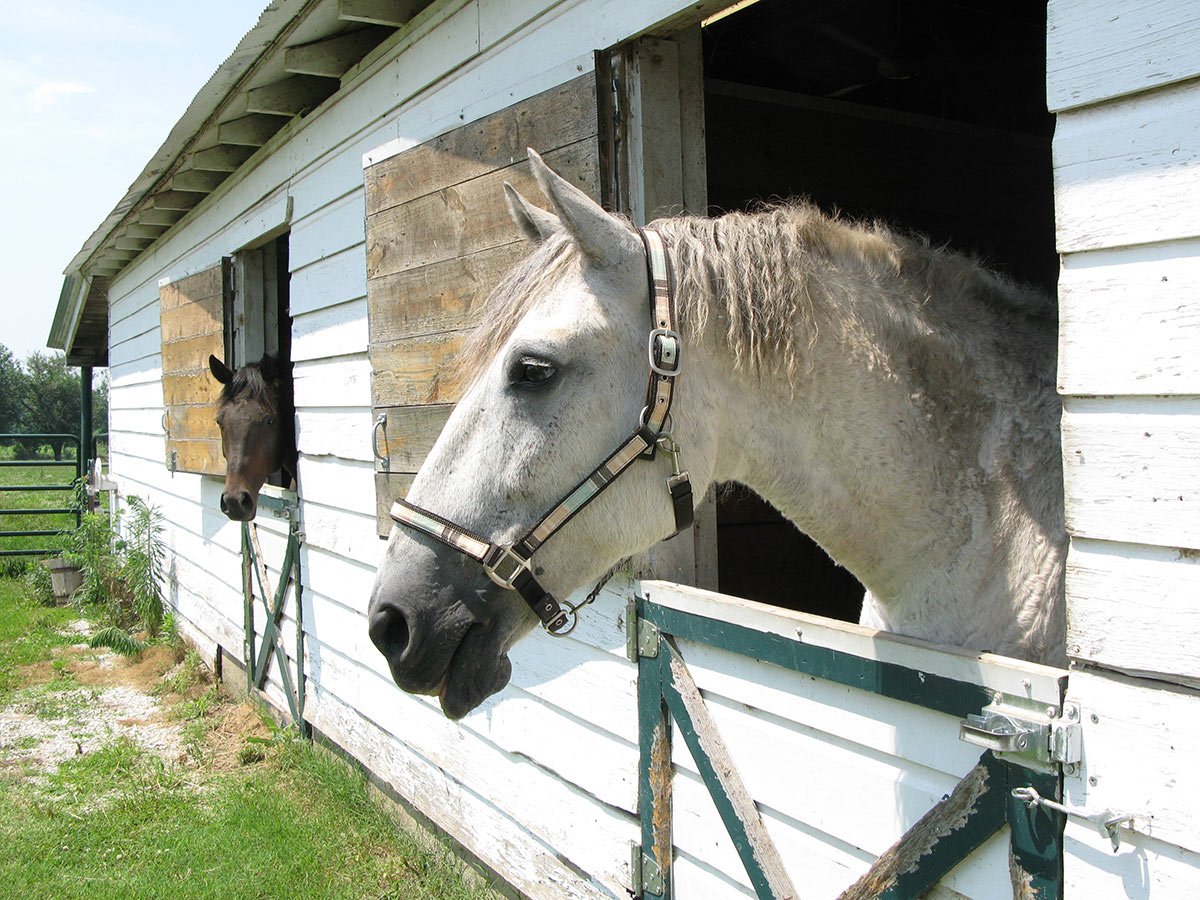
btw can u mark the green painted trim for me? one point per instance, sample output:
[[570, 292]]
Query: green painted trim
[[1037, 834], [936, 692], [734, 825], [248, 606]]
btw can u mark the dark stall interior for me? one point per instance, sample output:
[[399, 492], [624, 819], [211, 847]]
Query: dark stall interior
[[930, 116]]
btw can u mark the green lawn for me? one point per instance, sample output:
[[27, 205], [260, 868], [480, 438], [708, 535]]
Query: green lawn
[[39, 472], [280, 819]]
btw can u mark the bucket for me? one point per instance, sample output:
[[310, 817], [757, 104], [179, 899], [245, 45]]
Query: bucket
[[65, 578]]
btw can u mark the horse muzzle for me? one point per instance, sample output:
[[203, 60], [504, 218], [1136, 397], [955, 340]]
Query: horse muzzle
[[240, 506]]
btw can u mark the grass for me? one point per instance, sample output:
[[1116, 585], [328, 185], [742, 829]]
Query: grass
[[281, 818]]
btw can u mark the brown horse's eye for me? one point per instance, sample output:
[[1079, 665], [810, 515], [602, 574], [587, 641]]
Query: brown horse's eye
[[270, 420]]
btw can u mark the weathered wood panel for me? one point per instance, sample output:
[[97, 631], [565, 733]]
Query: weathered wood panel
[[468, 217], [1139, 754], [442, 296], [1129, 322], [1120, 596], [439, 237], [192, 327], [1125, 172], [554, 118], [1130, 472], [1100, 49]]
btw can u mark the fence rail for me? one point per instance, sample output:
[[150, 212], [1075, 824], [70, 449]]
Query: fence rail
[[35, 511]]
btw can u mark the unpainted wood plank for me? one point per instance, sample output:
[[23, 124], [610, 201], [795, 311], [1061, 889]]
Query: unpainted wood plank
[[198, 180], [290, 96], [193, 320], [1122, 598], [417, 370], [1129, 471], [333, 57], [202, 457], [443, 296], [1100, 49], [389, 487], [194, 421], [392, 13], [249, 131], [1139, 740], [180, 389], [409, 434], [191, 354], [1127, 321], [191, 288], [468, 217], [547, 121], [221, 158]]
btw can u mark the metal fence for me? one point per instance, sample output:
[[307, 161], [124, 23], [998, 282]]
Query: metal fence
[[10, 490]]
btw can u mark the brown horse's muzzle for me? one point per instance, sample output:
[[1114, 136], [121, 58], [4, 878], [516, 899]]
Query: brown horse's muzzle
[[239, 505]]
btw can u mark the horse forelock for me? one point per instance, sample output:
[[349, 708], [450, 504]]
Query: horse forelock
[[248, 383]]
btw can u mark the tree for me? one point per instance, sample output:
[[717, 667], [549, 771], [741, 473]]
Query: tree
[[11, 381], [50, 398]]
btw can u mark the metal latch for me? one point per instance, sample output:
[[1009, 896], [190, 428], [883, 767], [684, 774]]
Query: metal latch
[[1046, 737], [641, 635]]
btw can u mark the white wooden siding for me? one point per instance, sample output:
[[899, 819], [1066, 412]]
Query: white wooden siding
[[1127, 191]]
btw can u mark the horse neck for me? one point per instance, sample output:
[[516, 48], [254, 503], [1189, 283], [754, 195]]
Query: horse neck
[[873, 446]]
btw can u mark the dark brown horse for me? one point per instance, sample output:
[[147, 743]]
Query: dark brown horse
[[257, 420]]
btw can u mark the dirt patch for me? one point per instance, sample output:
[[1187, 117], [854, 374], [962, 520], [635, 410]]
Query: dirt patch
[[142, 673], [238, 726]]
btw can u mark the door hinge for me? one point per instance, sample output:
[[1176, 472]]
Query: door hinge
[[1037, 737], [641, 635], [646, 874]]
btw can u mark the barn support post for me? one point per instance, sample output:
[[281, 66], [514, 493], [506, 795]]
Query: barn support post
[[651, 862], [85, 420]]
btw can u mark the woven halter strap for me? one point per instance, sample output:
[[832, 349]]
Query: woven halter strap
[[508, 565]]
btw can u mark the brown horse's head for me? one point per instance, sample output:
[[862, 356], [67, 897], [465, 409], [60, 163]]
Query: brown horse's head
[[254, 437]]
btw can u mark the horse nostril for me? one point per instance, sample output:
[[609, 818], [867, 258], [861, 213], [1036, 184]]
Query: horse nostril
[[224, 505], [244, 499], [389, 632]]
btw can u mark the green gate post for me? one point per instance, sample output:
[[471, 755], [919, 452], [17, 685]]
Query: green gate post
[[85, 419], [652, 860]]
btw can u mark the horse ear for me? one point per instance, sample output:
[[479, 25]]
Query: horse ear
[[269, 367], [604, 239], [219, 370], [535, 223]]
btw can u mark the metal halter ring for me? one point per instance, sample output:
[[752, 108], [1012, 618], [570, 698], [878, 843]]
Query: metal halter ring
[[668, 422], [518, 563]]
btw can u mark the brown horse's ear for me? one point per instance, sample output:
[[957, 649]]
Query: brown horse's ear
[[269, 367], [219, 370], [603, 238], [535, 223]]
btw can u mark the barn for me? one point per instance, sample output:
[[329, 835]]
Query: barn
[[333, 196]]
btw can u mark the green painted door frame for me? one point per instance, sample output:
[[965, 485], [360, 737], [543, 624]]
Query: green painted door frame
[[980, 805], [273, 601]]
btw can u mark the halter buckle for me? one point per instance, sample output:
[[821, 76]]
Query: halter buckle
[[666, 352], [507, 557]]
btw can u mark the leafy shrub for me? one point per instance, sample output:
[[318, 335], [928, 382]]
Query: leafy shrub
[[37, 583], [122, 576]]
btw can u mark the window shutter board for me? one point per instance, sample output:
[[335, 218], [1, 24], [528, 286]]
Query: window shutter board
[[439, 238], [192, 312]]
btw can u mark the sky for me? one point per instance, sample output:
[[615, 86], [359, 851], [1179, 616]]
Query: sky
[[89, 90]]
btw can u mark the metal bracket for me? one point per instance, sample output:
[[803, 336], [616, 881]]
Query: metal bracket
[[1107, 822], [646, 874], [641, 635], [1042, 738]]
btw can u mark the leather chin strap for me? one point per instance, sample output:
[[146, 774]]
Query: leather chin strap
[[508, 565]]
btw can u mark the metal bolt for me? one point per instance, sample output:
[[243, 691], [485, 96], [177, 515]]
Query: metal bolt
[[1072, 712], [1070, 769], [1051, 712], [1095, 718], [997, 697], [1093, 780]]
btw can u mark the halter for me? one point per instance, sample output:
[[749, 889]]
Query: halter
[[508, 565]]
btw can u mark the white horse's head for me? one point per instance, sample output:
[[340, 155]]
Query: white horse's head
[[560, 380]]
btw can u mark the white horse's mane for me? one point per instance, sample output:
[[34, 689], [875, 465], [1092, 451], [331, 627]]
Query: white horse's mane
[[770, 280]]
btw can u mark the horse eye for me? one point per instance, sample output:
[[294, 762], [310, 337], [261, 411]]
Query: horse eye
[[270, 420], [531, 372]]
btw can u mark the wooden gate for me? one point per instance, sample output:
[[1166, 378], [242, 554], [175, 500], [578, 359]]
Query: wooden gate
[[962, 687], [274, 600]]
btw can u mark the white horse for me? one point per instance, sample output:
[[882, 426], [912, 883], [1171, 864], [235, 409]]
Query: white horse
[[894, 400]]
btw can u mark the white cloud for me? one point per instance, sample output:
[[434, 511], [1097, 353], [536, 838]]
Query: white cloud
[[48, 93]]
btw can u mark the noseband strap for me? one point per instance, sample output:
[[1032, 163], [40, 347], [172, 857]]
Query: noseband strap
[[508, 565]]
